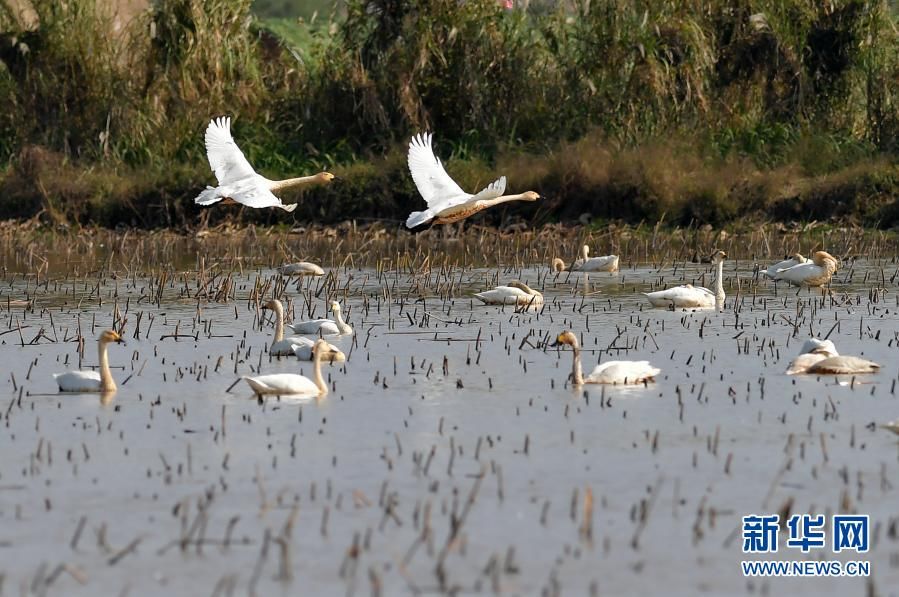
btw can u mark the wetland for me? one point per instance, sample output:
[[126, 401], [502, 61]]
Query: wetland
[[451, 455]]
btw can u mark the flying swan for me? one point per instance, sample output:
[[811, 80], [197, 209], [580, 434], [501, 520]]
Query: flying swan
[[238, 182], [91, 381], [292, 383], [610, 372], [300, 346], [447, 202], [689, 296]]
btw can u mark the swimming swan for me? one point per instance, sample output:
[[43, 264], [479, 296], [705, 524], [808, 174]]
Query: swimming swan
[[815, 273], [291, 383], [610, 372], [689, 296], [447, 202], [323, 327], [295, 345], [795, 259], [607, 263], [238, 182], [516, 293], [302, 268], [92, 381]]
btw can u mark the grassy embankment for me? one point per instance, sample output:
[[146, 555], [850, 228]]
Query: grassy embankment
[[723, 113]]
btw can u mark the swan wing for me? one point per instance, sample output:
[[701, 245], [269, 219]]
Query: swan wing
[[771, 272], [802, 363], [325, 326], [432, 181], [282, 383], [78, 381], [492, 191], [682, 296], [599, 264], [254, 192], [288, 346], [502, 294], [844, 365], [621, 372], [301, 268], [798, 272], [225, 157]]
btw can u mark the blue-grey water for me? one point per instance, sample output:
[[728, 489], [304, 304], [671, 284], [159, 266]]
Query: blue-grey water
[[451, 453]]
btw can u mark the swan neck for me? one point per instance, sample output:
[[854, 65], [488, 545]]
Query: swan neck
[[341, 324], [577, 372], [719, 282], [107, 383], [279, 322], [528, 289], [503, 199], [317, 371], [279, 185]]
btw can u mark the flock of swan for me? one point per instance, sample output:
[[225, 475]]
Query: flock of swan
[[307, 340], [447, 203]]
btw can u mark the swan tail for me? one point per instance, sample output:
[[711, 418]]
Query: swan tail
[[417, 218], [209, 196], [481, 297]]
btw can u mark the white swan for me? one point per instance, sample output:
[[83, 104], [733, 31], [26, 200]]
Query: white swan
[[795, 259], [304, 349], [323, 327], [689, 296], [447, 202], [302, 268], [516, 293], [291, 383], [238, 182], [295, 345], [610, 372], [821, 357], [815, 273], [812, 351], [92, 381], [607, 263]]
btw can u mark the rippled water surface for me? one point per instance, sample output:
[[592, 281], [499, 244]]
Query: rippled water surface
[[451, 453]]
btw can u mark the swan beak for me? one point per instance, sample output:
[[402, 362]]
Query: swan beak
[[556, 343], [121, 341]]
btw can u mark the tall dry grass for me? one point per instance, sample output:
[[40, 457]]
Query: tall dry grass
[[643, 109]]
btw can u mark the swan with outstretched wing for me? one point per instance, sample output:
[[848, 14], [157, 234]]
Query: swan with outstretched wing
[[447, 202], [238, 182]]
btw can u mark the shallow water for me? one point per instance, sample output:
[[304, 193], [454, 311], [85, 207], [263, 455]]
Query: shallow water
[[461, 419]]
